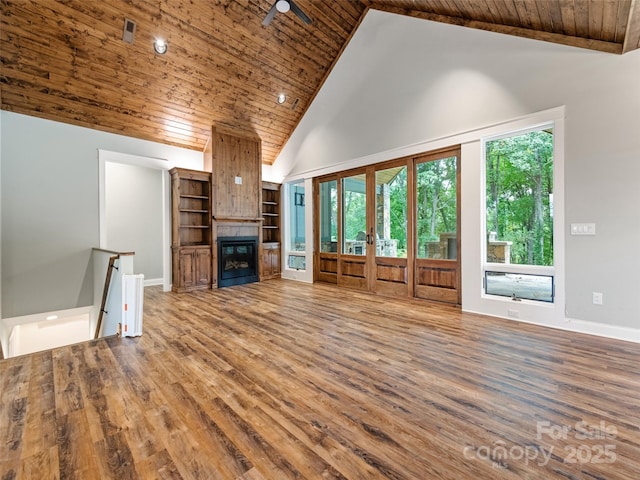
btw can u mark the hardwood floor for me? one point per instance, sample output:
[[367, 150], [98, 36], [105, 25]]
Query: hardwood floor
[[282, 380]]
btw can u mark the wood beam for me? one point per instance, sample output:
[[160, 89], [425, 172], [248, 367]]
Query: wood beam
[[574, 41]]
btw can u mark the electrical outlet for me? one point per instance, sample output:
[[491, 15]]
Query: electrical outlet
[[513, 313], [597, 298]]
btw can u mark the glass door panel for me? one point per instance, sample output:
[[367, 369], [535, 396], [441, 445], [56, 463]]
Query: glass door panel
[[391, 212], [437, 272], [329, 216], [356, 232], [436, 198], [326, 218], [390, 273], [354, 215]]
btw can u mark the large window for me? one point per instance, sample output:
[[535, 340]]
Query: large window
[[519, 215], [296, 241], [296, 217]]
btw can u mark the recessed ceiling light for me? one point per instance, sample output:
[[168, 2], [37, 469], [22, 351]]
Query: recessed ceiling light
[[282, 98], [160, 46]]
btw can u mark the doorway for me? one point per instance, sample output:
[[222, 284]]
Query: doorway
[[135, 211], [392, 228]]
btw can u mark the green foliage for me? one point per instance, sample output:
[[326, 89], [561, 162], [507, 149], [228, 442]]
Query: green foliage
[[355, 207], [519, 192], [398, 201], [519, 182], [329, 211], [436, 200]]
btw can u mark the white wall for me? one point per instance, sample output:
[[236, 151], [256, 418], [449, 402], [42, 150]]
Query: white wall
[[50, 208], [404, 83], [32, 337], [34, 333], [134, 210]]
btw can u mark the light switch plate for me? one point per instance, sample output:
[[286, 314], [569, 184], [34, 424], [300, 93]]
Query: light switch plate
[[583, 229], [238, 180]]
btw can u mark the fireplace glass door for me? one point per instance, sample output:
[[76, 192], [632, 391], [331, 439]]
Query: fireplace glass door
[[237, 260]]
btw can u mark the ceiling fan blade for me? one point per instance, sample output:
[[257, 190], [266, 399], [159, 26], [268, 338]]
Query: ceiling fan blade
[[296, 9], [270, 15]]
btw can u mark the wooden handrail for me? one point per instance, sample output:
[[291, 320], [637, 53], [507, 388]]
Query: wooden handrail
[[105, 292], [113, 252]]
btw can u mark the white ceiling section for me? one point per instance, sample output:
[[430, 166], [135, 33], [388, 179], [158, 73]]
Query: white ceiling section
[[403, 80]]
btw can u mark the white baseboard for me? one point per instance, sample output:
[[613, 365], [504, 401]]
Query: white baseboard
[[627, 334], [296, 277], [150, 282], [601, 329]]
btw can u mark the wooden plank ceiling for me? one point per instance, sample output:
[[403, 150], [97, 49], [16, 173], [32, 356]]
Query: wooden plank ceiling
[[66, 60]]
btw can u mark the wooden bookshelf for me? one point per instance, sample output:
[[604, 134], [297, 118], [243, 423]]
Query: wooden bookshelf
[[271, 227], [190, 229]]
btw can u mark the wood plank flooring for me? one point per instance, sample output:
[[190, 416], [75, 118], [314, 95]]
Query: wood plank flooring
[[283, 380]]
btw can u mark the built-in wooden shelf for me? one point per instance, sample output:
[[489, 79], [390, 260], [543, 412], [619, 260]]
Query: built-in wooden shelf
[[270, 230], [191, 229], [198, 197]]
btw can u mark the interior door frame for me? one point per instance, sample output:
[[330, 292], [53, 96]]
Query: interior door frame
[[105, 156]]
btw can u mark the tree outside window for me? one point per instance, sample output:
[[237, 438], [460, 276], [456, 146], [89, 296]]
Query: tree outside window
[[519, 193]]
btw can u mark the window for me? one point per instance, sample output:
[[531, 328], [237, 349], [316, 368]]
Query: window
[[519, 285], [297, 261], [519, 170], [296, 241], [296, 217], [329, 216]]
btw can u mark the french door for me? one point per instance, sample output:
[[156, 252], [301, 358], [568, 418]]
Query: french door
[[355, 240], [437, 226], [378, 227]]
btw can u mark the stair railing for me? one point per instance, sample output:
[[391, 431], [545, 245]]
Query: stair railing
[[117, 265]]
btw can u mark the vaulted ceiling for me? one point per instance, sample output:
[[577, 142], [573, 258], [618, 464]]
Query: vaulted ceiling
[[66, 60]]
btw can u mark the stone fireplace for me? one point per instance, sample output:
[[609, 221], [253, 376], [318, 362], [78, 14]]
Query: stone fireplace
[[237, 260]]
